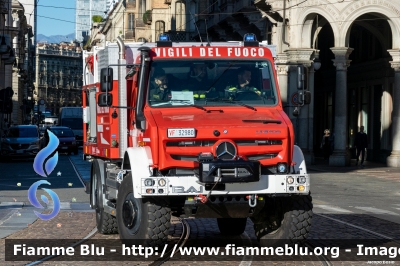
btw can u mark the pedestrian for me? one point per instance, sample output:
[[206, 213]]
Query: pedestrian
[[361, 143], [326, 144]]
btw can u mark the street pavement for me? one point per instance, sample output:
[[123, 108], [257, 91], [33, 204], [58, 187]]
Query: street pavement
[[364, 197]]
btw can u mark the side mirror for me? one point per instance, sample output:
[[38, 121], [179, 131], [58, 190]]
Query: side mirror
[[104, 99], [106, 79], [304, 97], [300, 77]]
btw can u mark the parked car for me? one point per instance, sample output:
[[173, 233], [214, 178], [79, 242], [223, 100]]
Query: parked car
[[20, 141], [66, 137]]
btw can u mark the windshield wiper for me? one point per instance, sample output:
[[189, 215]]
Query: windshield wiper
[[182, 101], [235, 102]]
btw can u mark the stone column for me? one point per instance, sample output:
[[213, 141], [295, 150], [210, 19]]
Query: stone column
[[309, 154], [282, 73], [299, 57], [341, 155], [394, 159]]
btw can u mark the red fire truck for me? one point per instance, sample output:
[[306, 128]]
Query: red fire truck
[[192, 130]]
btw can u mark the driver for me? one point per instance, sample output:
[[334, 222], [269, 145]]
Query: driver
[[159, 86], [243, 81]]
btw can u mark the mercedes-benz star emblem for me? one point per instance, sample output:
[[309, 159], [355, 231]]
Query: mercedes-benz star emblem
[[226, 151]]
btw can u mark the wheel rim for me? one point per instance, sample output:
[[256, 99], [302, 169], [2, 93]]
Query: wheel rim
[[129, 211]]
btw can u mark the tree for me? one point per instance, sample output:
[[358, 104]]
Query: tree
[[97, 18]]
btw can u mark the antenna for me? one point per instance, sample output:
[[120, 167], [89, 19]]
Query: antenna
[[196, 28], [208, 42]]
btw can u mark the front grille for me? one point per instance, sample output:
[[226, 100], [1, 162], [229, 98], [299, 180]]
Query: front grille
[[207, 143], [258, 142], [262, 156], [184, 158], [191, 143], [256, 157], [18, 147]]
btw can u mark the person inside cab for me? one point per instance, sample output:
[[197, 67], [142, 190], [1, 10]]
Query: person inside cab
[[241, 89], [198, 81], [242, 82], [159, 90]]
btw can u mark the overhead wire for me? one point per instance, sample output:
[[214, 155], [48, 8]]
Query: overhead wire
[[218, 13]]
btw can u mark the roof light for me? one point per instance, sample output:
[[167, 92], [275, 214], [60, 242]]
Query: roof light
[[164, 40], [250, 39]]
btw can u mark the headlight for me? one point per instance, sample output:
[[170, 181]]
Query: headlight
[[282, 168], [73, 143], [290, 180], [301, 179], [149, 182], [162, 182]]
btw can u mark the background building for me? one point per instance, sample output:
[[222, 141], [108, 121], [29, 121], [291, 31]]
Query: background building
[[16, 66], [59, 75], [358, 82], [30, 7], [85, 10], [348, 50]]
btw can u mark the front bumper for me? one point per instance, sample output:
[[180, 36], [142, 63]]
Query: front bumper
[[191, 186], [232, 171]]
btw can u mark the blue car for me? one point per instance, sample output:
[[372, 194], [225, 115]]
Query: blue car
[[20, 141]]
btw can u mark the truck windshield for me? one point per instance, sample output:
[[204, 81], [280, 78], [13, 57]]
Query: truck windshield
[[211, 83]]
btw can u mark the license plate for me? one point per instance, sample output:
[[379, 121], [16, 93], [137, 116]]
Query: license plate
[[181, 133], [64, 148], [20, 151]]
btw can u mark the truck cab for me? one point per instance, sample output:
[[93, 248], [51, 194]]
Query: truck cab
[[194, 131]]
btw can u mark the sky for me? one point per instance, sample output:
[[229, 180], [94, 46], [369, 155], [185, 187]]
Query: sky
[[59, 19]]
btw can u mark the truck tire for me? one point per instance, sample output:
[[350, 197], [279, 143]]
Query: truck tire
[[141, 221], [284, 220], [105, 222], [231, 226]]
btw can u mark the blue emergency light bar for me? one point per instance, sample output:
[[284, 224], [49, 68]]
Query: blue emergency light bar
[[250, 39], [164, 40]]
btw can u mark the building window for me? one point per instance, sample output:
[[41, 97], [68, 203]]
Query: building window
[[131, 21], [160, 28], [180, 16], [142, 40]]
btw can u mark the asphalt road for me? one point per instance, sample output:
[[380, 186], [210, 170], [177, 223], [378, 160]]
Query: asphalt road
[[347, 205], [16, 176]]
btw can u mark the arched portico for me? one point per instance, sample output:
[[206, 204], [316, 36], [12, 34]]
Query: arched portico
[[358, 43]]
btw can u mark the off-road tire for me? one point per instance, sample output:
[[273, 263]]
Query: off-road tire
[[151, 222], [284, 219], [231, 226], [105, 222]]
